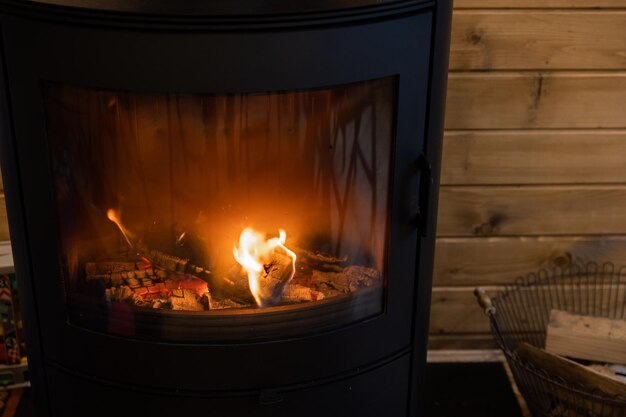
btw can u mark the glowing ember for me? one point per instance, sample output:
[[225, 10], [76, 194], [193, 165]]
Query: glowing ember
[[116, 217], [269, 264]]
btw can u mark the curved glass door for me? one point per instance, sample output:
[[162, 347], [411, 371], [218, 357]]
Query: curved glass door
[[236, 217]]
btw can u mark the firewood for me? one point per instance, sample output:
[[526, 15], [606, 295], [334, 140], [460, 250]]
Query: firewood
[[133, 282], [188, 301], [307, 261], [187, 282], [330, 283], [118, 294], [351, 279], [571, 372], [233, 286], [171, 263], [277, 270], [583, 337], [295, 293], [109, 267], [224, 304], [361, 277]]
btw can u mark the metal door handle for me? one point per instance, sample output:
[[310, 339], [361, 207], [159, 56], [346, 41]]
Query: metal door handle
[[425, 170]]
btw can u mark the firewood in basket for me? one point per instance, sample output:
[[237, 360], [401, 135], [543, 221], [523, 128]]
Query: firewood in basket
[[585, 337], [574, 374]]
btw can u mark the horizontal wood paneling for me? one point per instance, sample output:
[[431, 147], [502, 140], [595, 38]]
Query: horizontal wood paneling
[[520, 100], [534, 157], [455, 310], [538, 40], [498, 260], [533, 166], [570, 4], [532, 210]]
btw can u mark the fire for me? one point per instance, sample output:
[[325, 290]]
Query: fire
[[116, 217], [268, 263]]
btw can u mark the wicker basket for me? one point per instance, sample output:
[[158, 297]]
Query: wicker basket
[[521, 312]]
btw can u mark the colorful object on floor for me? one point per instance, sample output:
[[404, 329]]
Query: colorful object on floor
[[10, 349], [9, 401]]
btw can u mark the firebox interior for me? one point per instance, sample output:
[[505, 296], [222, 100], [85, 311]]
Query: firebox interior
[[154, 193]]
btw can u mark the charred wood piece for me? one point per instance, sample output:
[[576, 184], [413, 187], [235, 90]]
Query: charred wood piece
[[295, 293], [351, 279], [172, 263], [308, 261], [278, 269], [186, 300]]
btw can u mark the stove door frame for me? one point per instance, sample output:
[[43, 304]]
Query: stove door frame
[[125, 59]]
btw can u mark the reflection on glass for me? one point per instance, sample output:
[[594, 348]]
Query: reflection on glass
[[221, 204]]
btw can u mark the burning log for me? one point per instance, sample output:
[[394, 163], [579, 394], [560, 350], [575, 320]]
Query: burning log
[[269, 264], [272, 280]]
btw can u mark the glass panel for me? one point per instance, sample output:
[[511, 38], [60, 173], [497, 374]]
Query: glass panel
[[202, 217]]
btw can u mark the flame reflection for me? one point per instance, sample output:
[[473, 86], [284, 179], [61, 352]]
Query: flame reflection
[[116, 217]]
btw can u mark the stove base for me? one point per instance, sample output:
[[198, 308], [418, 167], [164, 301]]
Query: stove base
[[382, 391]]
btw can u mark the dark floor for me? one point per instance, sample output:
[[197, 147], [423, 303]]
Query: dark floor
[[459, 389], [469, 390]]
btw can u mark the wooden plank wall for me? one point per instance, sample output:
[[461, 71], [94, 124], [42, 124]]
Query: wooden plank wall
[[534, 165]]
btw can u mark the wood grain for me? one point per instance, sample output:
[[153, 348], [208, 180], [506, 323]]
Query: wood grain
[[534, 157], [539, 40], [532, 210], [540, 4], [533, 100], [598, 339], [455, 311], [499, 260]]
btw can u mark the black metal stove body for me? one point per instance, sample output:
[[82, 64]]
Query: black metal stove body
[[367, 367]]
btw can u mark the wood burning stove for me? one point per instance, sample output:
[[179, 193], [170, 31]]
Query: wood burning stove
[[224, 208]]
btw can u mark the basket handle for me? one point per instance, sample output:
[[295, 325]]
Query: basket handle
[[484, 301]]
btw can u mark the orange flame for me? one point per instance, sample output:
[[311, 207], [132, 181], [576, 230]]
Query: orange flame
[[253, 248], [115, 216]]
